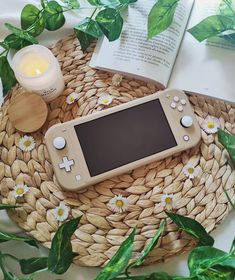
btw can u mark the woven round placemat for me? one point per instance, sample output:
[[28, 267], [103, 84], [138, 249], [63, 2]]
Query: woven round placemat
[[102, 231]]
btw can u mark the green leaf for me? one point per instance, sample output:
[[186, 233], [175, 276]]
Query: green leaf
[[161, 16], [229, 37], [15, 42], [228, 141], [7, 75], [127, 1], [232, 249], [202, 258], [160, 276], [23, 34], [95, 2], [32, 265], [30, 19], [217, 273], [8, 206], [229, 199], [61, 255], [149, 248], [119, 261], [87, 31], [227, 8], [53, 16], [211, 26], [4, 45], [4, 237], [110, 22], [73, 4], [192, 227]]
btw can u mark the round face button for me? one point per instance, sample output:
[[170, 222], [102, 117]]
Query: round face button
[[180, 108], [187, 121], [186, 138], [59, 143], [173, 105], [183, 101], [176, 98]]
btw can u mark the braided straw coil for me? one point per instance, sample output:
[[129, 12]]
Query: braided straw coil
[[101, 231]]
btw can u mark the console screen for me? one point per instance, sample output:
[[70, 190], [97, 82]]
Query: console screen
[[124, 137]]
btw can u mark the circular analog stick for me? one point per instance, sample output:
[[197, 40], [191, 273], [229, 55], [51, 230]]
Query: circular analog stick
[[59, 143], [186, 121]]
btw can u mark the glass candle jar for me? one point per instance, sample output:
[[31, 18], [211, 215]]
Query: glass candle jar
[[37, 70]]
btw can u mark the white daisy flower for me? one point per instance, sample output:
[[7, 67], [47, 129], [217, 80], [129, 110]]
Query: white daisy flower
[[189, 171], [105, 99], [118, 204], [167, 201], [210, 124], [26, 143], [71, 98], [20, 190], [116, 79], [61, 212]]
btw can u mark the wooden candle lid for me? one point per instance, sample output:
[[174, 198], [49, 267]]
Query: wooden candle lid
[[27, 112]]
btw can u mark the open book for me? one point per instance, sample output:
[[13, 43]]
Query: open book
[[173, 58]]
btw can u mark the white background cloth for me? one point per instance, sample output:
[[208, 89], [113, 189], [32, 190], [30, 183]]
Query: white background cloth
[[10, 12]]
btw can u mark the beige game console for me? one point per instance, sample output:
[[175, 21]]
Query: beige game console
[[99, 146]]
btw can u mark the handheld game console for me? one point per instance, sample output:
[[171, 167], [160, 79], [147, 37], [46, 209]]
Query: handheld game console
[[99, 146]]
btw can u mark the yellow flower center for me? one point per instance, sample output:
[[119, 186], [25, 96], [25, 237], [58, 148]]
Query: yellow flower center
[[168, 200], [190, 170], [20, 191], [72, 99], [119, 203], [60, 212], [27, 143], [210, 124], [105, 100]]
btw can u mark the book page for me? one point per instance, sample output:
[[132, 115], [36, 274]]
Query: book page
[[208, 67], [133, 54]]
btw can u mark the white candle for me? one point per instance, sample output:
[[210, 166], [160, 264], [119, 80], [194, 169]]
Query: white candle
[[37, 70]]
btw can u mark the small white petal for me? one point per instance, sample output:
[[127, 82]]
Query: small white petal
[[105, 99], [61, 212], [207, 122], [72, 97], [27, 143], [166, 204], [118, 204], [20, 190], [116, 79], [190, 171]]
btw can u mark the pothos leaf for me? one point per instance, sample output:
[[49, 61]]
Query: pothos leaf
[[110, 22], [8, 206], [53, 16], [161, 16], [30, 19], [228, 141], [211, 26], [119, 261], [7, 75], [61, 255], [87, 31], [23, 34], [192, 227], [4, 237], [149, 248], [95, 2], [73, 4], [15, 42], [32, 265], [203, 258]]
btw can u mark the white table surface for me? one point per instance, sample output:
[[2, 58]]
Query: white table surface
[[176, 266]]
